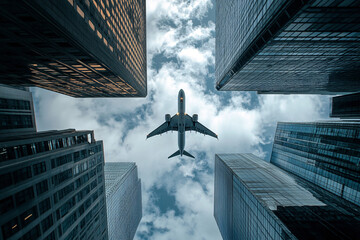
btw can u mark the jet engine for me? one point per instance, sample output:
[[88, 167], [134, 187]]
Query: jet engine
[[167, 117], [195, 117]]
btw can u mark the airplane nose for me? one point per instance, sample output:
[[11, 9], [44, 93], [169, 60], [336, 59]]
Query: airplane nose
[[181, 92]]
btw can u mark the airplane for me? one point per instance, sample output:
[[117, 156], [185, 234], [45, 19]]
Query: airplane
[[181, 122]]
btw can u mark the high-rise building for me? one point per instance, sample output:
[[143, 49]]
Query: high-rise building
[[256, 200], [52, 186], [326, 154], [123, 199], [288, 46], [16, 111], [346, 106], [81, 48]]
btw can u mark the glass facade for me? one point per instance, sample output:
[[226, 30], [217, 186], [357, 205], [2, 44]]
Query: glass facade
[[16, 111], [268, 203], [346, 106], [123, 199], [52, 186], [279, 46], [326, 154], [81, 48]]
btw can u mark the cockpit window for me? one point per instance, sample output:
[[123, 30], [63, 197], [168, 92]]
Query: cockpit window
[[181, 99]]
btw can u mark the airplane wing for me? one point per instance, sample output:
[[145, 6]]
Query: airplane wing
[[190, 125], [172, 125]]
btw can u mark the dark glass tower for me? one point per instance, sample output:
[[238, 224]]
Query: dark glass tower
[[256, 200], [81, 48], [288, 46], [52, 186], [16, 111], [123, 199], [326, 154], [346, 106]]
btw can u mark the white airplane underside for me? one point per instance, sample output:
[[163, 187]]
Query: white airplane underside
[[181, 122]]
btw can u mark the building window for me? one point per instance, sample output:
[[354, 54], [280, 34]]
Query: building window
[[14, 104], [10, 228], [32, 234], [51, 236], [22, 174], [44, 205], [15, 121], [24, 196], [42, 187], [28, 216], [61, 177], [6, 204], [39, 168], [5, 180], [47, 223]]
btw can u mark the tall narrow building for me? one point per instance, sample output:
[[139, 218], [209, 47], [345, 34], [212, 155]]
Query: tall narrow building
[[288, 46], [326, 154], [255, 199], [16, 111], [123, 199], [52, 186], [81, 48]]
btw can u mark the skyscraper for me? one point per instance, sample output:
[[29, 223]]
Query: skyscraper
[[16, 111], [123, 199], [257, 200], [81, 48], [288, 46], [52, 186], [346, 106], [326, 154]]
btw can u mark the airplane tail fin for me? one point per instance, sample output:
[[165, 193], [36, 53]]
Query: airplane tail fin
[[188, 154], [175, 154]]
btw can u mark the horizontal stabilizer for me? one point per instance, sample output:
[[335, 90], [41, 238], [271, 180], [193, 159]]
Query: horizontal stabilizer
[[188, 154], [174, 154]]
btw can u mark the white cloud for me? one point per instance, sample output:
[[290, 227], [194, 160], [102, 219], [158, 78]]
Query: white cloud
[[171, 31]]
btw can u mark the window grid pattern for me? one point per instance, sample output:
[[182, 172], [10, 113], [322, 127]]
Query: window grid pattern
[[317, 51], [103, 53], [57, 210], [268, 203], [123, 199], [326, 154]]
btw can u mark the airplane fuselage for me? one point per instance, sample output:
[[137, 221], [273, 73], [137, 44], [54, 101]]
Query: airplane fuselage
[[181, 123]]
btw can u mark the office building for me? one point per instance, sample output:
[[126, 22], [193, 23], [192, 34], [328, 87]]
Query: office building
[[326, 154], [288, 46], [346, 106], [52, 186], [16, 111], [256, 200], [81, 48], [123, 199]]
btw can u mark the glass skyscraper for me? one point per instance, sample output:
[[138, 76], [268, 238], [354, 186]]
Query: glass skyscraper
[[326, 154], [254, 199], [52, 186], [16, 111], [288, 46], [346, 106], [81, 48], [123, 199]]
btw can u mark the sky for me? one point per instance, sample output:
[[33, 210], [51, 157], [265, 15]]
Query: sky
[[178, 193]]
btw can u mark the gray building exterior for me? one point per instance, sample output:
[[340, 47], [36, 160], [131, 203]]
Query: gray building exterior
[[16, 111], [346, 106], [254, 199], [288, 46], [52, 186], [123, 199], [326, 154], [81, 48]]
